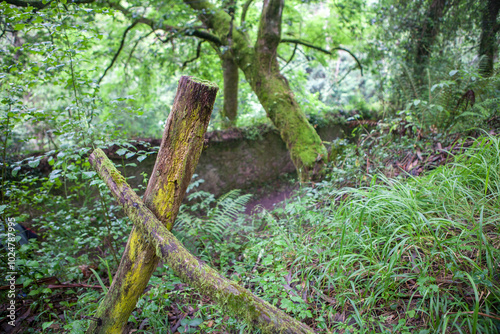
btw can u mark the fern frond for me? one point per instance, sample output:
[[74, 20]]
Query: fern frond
[[202, 228]]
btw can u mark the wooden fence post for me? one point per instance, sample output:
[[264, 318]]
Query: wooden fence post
[[209, 282], [177, 158]]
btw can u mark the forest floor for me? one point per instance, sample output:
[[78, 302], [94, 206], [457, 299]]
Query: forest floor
[[186, 309]]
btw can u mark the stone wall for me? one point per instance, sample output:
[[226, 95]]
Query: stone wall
[[238, 158]]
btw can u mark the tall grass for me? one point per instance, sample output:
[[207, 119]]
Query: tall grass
[[414, 255]]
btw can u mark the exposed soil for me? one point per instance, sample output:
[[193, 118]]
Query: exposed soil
[[271, 200], [268, 196]]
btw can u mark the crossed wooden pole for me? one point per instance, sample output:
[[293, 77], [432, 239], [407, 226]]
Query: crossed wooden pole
[[154, 216]]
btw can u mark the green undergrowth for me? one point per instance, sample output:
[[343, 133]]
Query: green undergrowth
[[406, 255], [414, 255]]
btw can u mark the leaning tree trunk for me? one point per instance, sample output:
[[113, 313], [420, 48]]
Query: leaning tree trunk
[[271, 87], [207, 281], [488, 46], [260, 66], [177, 158]]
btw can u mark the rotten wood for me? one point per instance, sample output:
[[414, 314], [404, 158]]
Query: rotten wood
[[177, 158], [208, 282]]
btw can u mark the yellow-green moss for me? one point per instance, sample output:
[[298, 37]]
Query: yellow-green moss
[[204, 82]]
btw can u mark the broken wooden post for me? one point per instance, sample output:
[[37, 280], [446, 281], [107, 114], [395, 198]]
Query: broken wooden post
[[192, 271], [177, 158]]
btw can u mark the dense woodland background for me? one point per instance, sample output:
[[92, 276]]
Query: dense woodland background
[[391, 228]]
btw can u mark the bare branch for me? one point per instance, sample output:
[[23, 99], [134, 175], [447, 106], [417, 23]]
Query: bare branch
[[309, 45], [182, 31], [119, 50], [291, 57], [270, 26], [135, 45], [198, 51]]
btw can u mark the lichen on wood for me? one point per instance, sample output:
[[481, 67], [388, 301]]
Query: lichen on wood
[[228, 294], [177, 158]]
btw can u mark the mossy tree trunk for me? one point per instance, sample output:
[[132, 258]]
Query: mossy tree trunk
[[210, 283], [177, 158], [488, 46], [260, 66]]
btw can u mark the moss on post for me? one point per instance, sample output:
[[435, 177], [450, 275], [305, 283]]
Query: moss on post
[[228, 294], [177, 158]]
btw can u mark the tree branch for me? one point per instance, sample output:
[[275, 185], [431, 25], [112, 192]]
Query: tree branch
[[244, 11], [291, 57], [270, 25], [198, 51], [119, 50], [309, 45], [209, 282], [184, 31]]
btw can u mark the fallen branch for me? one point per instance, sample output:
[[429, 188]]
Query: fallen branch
[[41, 281], [70, 286], [228, 294]]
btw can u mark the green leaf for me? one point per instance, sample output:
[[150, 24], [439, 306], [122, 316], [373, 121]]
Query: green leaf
[[16, 170], [34, 163], [33, 264], [27, 282], [129, 155], [95, 182], [46, 325], [142, 157], [195, 322], [452, 73], [88, 175], [19, 26], [2, 208], [104, 288], [121, 151]]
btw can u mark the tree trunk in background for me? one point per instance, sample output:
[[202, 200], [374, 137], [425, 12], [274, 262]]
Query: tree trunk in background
[[231, 79], [177, 158], [426, 35], [488, 47], [260, 66]]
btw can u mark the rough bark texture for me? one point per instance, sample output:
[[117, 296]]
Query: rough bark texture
[[231, 79], [239, 301], [177, 158], [488, 46], [260, 66]]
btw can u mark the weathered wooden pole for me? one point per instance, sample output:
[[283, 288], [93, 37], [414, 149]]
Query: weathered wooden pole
[[228, 294], [177, 158]]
